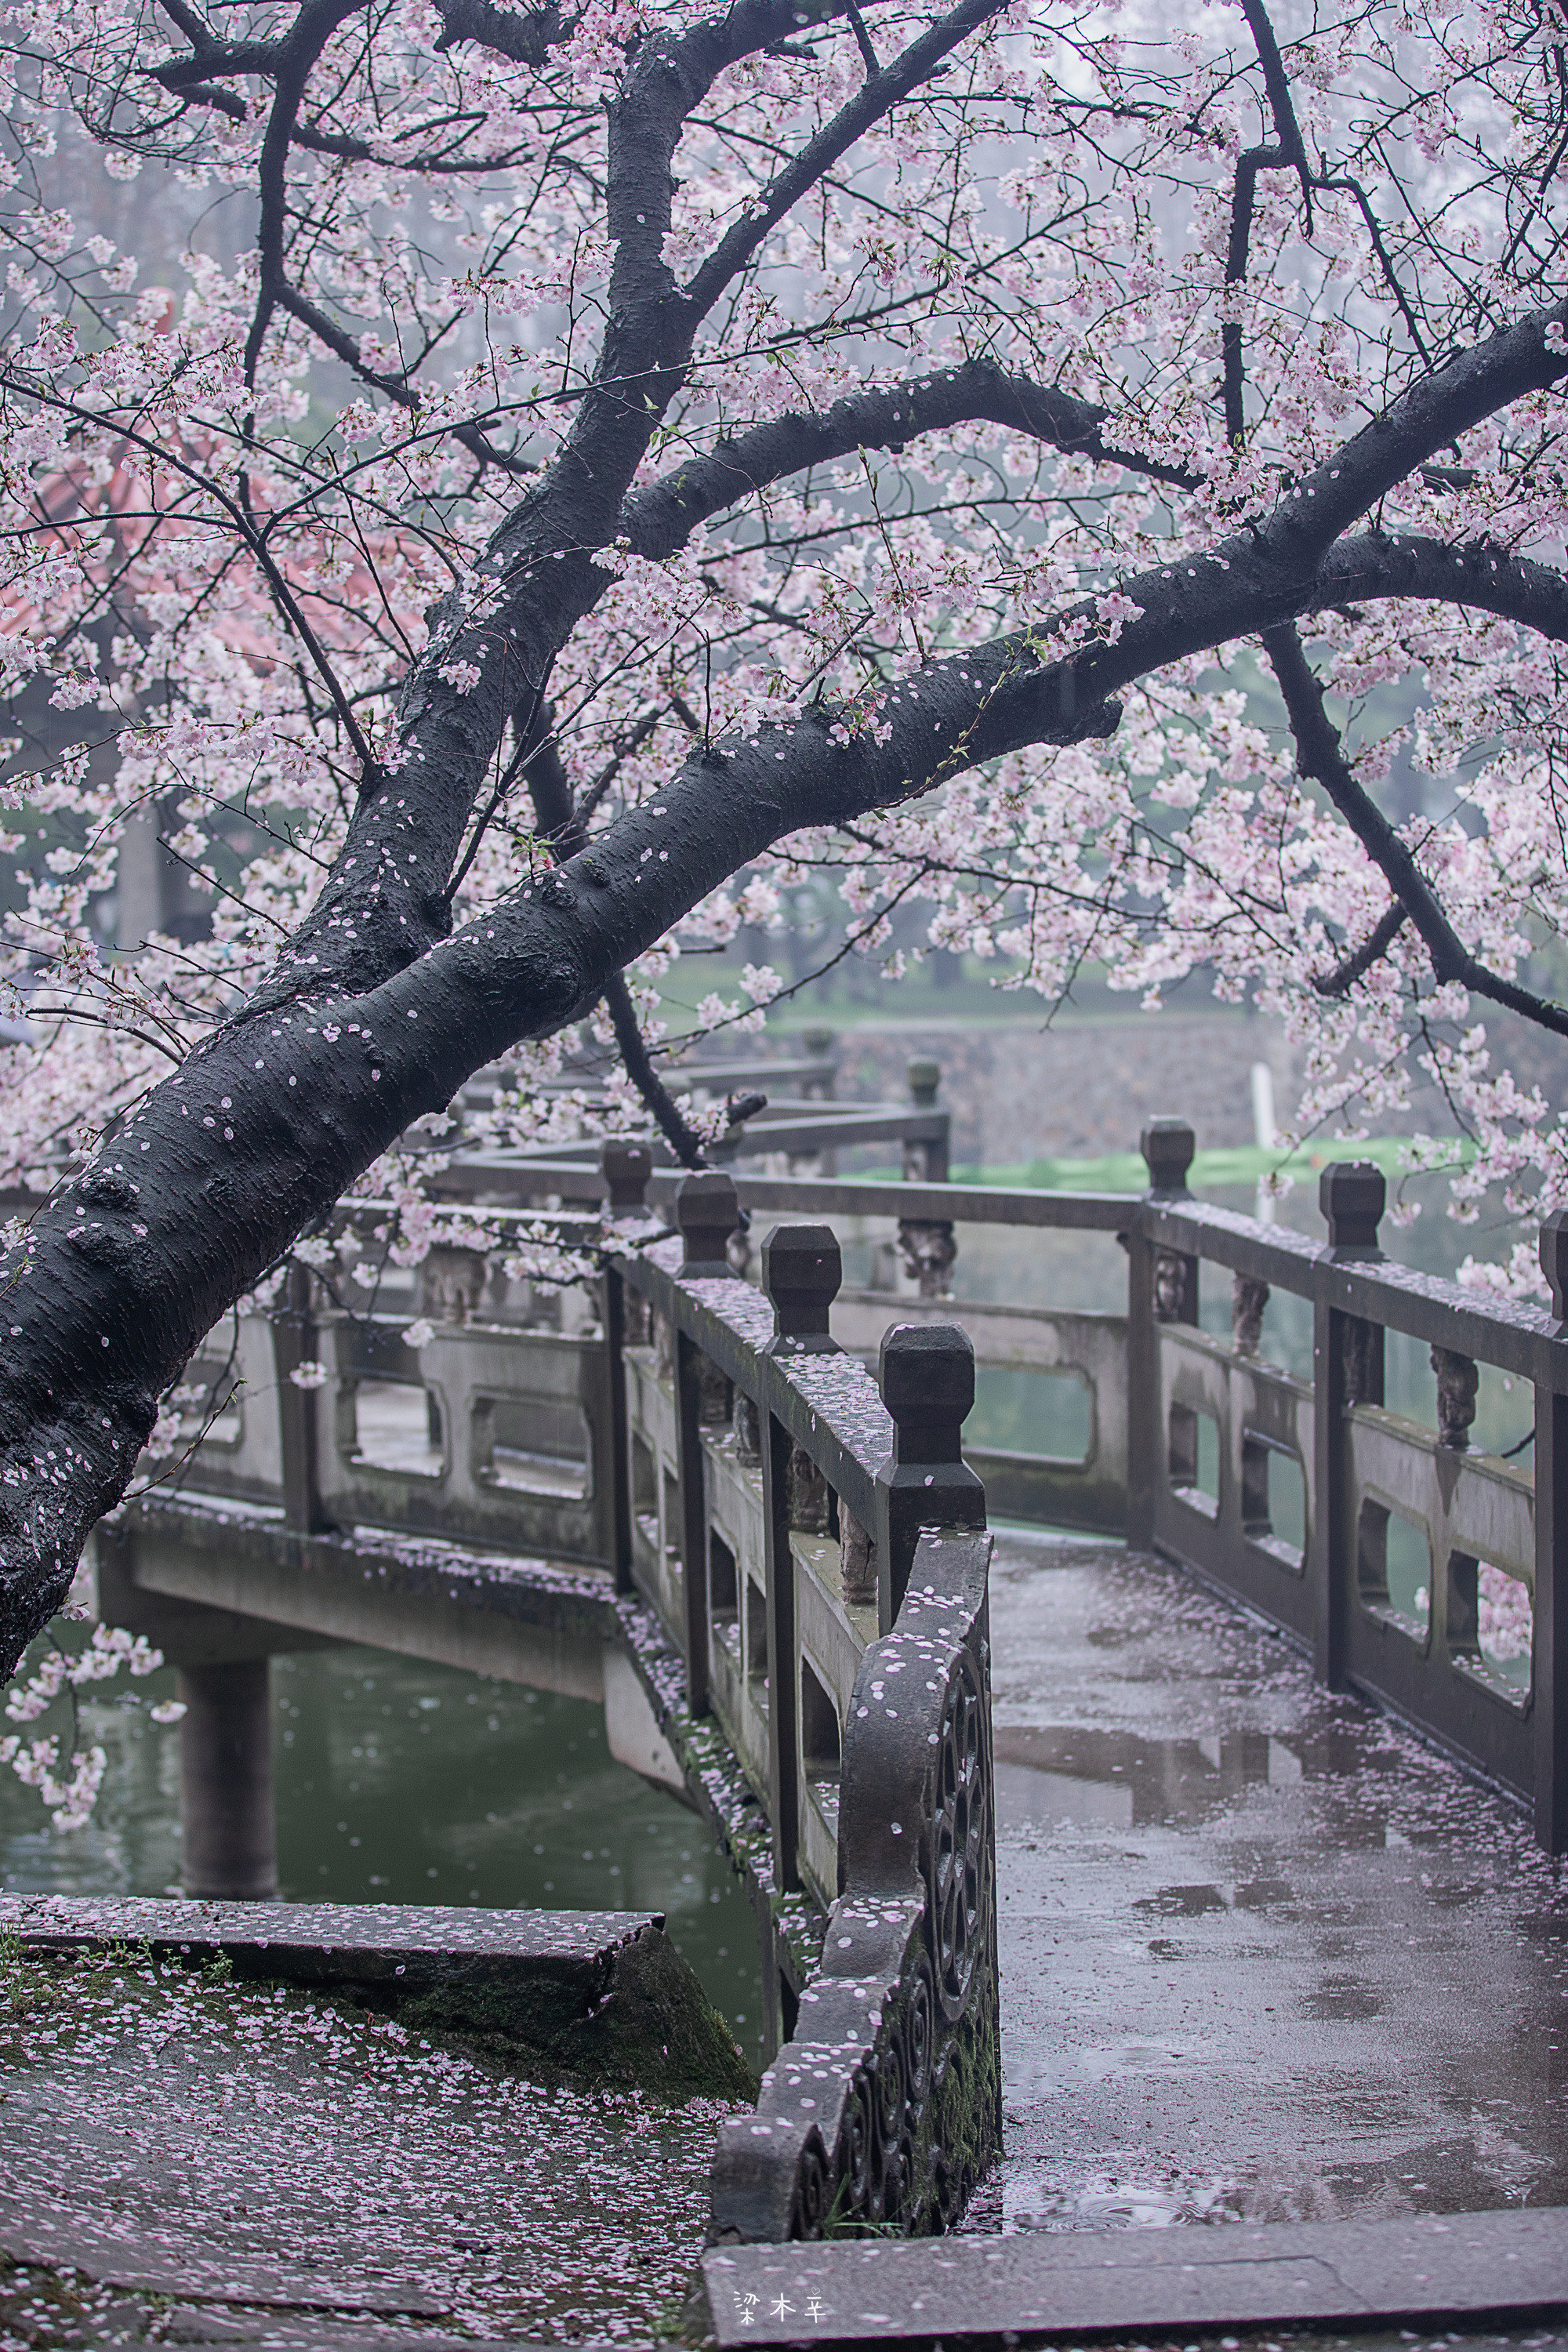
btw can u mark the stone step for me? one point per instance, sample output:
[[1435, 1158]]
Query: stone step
[[1062, 2285]]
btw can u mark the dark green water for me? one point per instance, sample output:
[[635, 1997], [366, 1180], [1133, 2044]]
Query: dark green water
[[402, 1782]]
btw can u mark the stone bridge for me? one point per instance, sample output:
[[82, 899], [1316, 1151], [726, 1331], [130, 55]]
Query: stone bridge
[[1127, 1843]]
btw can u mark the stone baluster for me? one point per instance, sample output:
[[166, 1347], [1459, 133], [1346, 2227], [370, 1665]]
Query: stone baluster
[[857, 1558], [1249, 1298], [1168, 1145], [1347, 1368], [748, 1429], [927, 1375], [928, 1251], [1458, 1379], [707, 1212], [1549, 1710]]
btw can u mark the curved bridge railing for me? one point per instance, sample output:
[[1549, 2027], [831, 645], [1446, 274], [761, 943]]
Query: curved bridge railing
[[826, 1577]]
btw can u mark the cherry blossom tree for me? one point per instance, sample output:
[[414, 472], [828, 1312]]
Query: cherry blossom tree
[[591, 469]]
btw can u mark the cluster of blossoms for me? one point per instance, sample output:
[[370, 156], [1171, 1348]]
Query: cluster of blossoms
[[219, 573], [59, 1675]]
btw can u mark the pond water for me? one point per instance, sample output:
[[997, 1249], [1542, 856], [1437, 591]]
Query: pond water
[[402, 1782]]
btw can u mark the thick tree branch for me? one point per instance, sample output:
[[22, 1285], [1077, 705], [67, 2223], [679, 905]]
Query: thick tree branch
[[658, 519], [632, 1046], [1288, 153], [876, 94], [1380, 564], [212, 1176]]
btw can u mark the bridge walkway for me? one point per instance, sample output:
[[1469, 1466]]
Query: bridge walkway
[[1264, 1955]]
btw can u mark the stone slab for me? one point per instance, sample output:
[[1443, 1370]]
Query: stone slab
[[273, 2156], [1056, 2285], [335, 1943]]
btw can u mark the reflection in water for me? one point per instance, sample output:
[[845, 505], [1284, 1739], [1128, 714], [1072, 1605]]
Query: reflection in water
[[1045, 1776]]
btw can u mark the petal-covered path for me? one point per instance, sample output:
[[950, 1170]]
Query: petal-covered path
[[1265, 1957]]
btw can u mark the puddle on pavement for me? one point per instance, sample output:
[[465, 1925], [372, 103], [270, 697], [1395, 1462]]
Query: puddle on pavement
[[1118, 1779], [1264, 1955]]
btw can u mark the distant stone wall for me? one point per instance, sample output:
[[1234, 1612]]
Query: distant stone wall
[[1079, 1089]]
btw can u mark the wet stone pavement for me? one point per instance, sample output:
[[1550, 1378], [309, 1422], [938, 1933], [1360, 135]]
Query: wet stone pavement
[[229, 2162], [1265, 1955]]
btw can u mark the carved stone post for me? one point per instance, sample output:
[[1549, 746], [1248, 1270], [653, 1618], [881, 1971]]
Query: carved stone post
[[927, 1375], [626, 1166], [1347, 1370], [1161, 1288], [1549, 1646], [707, 1214], [1457, 1582], [819, 1043], [802, 1270], [1168, 1145], [926, 1157]]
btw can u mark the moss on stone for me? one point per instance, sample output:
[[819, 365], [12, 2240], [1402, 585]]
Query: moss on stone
[[653, 2030]]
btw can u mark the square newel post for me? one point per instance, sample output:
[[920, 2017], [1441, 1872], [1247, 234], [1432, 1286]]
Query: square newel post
[[1161, 1288], [1347, 1368], [706, 1213], [927, 1375], [626, 1167], [802, 1270], [1549, 1645], [926, 1243], [926, 1159], [296, 1340]]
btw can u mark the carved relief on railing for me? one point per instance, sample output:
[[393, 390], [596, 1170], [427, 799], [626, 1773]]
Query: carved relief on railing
[[858, 1560], [1458, 1379], [929, 1254], [884, 2109], [1248, 1298], [1171, 1286]]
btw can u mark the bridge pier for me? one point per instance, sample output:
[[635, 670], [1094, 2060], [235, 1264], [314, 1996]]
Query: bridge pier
[[228, 1842]]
